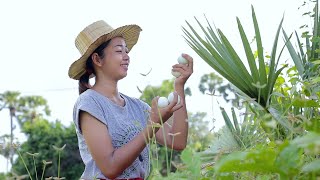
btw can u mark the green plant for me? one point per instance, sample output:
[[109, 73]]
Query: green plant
[[45, 163], [288, 160], [59, 150], [217, 51], [306, 58], [285, 107]]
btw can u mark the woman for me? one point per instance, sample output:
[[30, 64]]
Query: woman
[[113, 129]]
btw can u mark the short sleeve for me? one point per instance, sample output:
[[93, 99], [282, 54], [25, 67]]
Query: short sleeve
[[89, 105], [146, 106]]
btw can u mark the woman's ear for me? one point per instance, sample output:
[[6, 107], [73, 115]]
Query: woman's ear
[[96, 59]]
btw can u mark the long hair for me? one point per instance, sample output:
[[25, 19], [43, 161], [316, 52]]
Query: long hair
[[84, 83]]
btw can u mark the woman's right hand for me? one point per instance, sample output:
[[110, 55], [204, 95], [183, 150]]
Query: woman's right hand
[[161, 115]]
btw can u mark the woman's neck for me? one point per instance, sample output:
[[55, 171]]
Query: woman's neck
[[107, 88]]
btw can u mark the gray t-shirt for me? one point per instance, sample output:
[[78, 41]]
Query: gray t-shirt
[[123, 124]]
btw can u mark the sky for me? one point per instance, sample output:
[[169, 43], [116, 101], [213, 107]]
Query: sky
[[37, 44]]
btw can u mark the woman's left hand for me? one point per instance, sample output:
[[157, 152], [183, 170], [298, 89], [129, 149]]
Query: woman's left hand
[[185, 69]]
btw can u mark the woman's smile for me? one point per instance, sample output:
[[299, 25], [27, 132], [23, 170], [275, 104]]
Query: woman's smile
[[125, 66]]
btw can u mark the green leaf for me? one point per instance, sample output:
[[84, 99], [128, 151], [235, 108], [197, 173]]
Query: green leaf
[[313, 166], [250, 57], [296, 59], [227, 120], [278, 94], [273, 66], [315, 80], [192, 161], [316, 62], [262, 68], [235, 121], [313, 125], [302, 54], [299, 102], [258, 160], [316, 32], [288, 160], [309, 140], [280, 118]]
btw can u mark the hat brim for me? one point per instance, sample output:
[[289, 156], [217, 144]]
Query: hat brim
[[129, 32]]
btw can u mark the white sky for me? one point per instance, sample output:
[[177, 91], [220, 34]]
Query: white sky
[[37, 44]]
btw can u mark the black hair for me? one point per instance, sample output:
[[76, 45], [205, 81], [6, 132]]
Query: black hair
[[84, 83]]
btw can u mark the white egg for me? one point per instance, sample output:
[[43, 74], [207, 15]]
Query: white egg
[[175, 73], [182, 60], [171, 96], [163, 102]]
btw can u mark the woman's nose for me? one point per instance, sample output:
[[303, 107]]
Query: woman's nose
[[126, 56]]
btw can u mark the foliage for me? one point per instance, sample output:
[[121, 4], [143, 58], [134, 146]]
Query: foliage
[[166, 87], [190, 170], [209, 83], [217, 51], [275, 137], [287, 159], [234, 136], [199, 133], [23, 108], [307, 56], [278, 136], [3, 175], [42, 137], [31, 107]]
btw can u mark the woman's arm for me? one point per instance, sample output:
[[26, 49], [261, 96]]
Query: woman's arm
[[177, 134], [112, 162]]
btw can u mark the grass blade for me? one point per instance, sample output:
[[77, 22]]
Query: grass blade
[[297, 61]]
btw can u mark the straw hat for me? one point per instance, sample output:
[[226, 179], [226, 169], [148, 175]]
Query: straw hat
[[93, 36]]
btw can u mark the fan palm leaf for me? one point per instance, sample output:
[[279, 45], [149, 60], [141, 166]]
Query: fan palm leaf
[[217, 51]]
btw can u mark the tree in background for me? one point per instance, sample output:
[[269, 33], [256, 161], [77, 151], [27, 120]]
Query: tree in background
[[5, 148], [42, 136], [23, 108], [31, 107], [164, 89], [200, 135], [9, 100], [209, 83]]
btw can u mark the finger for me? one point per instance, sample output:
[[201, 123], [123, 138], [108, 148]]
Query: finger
[[184, 73], [177, 107], [155, 102], [181, 70], [174, 101], [182, 66], [189, 59]]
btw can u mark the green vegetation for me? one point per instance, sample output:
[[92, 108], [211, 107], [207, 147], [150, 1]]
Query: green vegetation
[[271, 132]]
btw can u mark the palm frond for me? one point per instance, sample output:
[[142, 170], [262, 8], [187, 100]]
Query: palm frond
[[217, 51]]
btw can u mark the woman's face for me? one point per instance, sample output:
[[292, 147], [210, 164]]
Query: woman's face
[[116, 60]]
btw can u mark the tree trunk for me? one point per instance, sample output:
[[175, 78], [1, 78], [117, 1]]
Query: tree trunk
[[12, 114]]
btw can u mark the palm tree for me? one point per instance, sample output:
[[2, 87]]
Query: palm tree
[[9, 100], [23, 108]]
